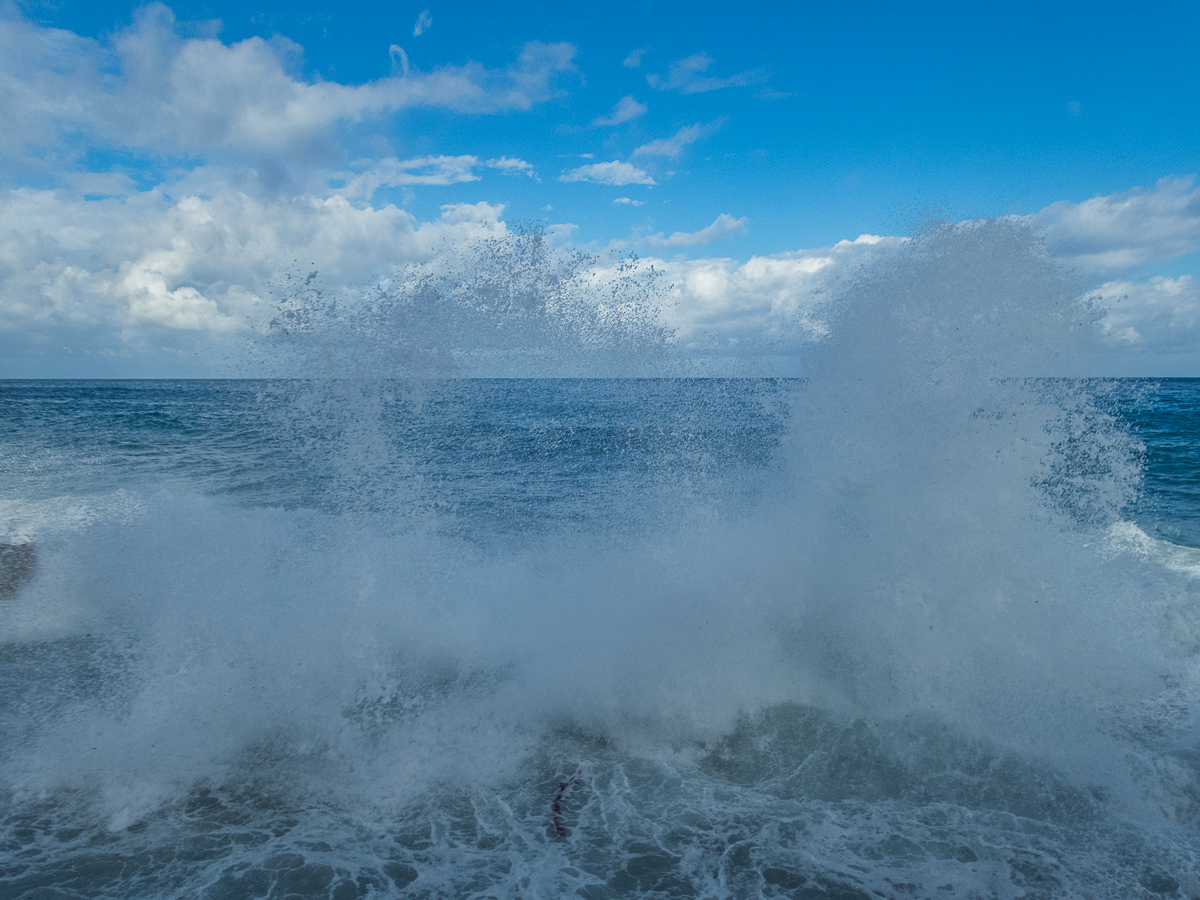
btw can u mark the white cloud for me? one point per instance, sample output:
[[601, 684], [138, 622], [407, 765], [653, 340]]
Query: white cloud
[[137, 274], [133, 274], [674, 145], [687, 76], [150, 301], [724, 226], [867, 240], [149, 89], [614, 173], [626, 201], [627, 108], [424, 20], [505, 164], [424, 170], [120, 276], [767, 296], [1163, 313], [1126, 230], [98, 184], [485, 214], [398, 55], [634, 59]]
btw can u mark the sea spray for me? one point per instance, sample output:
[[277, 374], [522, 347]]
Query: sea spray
[[507, 305], [882, 632], [944, 504]]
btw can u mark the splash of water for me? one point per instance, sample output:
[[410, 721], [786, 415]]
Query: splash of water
[[945, 509], [915, 648], [508, 305]]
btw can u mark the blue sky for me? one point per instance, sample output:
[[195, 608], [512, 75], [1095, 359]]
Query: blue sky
[[162, 165]]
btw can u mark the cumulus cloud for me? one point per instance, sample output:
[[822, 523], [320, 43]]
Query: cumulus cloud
[[614, 173], [149, 89], [627, 108], [626, 201], [149, 299], [193, 272], [105, 275], [724, 226], [111, 277], [1126, 230], [674, 145], [137, 274], [424, 20], [765, 299], [688, 77], [1163, 313]]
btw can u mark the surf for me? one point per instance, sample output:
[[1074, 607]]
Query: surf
[[884, 629]]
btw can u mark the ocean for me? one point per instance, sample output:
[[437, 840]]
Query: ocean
[[922, 623]]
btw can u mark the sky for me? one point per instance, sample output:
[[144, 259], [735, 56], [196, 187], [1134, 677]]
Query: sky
[[166, 170]]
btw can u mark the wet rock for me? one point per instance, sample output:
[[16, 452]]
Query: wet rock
[[18, 563]]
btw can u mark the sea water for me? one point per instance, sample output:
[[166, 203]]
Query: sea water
[[924, 622]]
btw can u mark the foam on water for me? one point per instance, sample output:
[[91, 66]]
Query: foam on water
[[914, 651]]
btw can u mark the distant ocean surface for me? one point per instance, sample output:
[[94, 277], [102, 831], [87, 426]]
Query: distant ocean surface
[[600, 638]]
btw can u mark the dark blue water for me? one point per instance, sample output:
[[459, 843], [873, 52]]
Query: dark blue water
[[1165, 415], [492, 455], [510, 454]]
